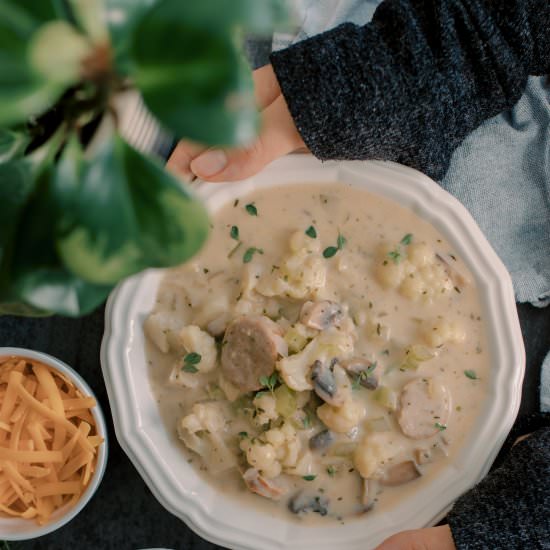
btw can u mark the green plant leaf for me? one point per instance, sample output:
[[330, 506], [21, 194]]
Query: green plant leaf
[[122, 16], [23, 92], [192, 76], [256, 16], [121, 213], [12, 144], [39, 279], [16, 185], [42, 11], [90, 17], [56, 52]]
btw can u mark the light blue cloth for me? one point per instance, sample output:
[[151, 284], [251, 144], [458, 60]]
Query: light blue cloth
[[501, 172]]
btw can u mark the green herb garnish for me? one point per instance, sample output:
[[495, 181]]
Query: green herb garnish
[[440, 427], [189, 362], [406, 240], [193, 358], [471, 374], [331, 470], [341, 241], [234, 232], [251, 209], [330, 251], [306, 421], [363, 375], [243, 435], [249, 254], [269, 382], [310, 232], [189, 368], [309, 477], [395, 255]]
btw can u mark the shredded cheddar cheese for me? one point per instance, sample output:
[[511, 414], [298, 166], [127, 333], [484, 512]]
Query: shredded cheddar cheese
[[48, 440]]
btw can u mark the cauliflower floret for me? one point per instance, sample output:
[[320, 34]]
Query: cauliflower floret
[[211, 310], [266, 408], [204, 416], [178, 377], [195, 340], [420, 254], [202, 430], [374, 452], [440, 332], [295, 369], [390, 273], [341, 419], [414, 270], [286, 443], [300, 275], [261, 456], [297, 336], [161, 327], [428, 282], [300, 241], [304, 466]]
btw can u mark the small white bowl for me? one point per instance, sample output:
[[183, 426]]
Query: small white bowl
[[226, 521], [23, 529]]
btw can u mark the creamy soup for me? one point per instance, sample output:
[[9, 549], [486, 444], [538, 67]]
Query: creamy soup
[[324, 355]]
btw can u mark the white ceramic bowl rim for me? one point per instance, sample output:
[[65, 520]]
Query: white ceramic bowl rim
[[222, 521], [23, 529]]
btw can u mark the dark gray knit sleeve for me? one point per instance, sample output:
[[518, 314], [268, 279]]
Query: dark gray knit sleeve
[[410, 85], [510, 508]]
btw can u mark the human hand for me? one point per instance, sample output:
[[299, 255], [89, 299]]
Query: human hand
[[278, 136], [431, 538]]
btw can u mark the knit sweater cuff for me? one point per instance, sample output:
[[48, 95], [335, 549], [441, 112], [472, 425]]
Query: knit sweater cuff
[[508, 508], [348, 101], [312, 77]]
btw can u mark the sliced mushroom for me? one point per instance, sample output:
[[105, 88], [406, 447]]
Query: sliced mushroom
[[262, 486], [401, 473], [302, 503], [249, 351], [363, 371], [321, 315], [369, 490], [327, 382], [322, 440], [424, 408]]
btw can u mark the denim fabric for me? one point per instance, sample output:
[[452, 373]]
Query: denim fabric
[[501, 173]]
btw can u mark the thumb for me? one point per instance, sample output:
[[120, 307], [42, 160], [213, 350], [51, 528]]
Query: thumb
[[278, 137], [431, 538]]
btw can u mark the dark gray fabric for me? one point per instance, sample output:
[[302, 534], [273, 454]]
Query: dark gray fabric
[[410, 85], [510, 508], [257, 51]]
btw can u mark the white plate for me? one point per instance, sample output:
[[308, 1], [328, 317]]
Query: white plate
[[216, 517]]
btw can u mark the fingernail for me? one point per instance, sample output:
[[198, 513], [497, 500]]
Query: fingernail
[[209, 163]]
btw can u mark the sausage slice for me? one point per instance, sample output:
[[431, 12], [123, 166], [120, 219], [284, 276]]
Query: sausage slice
[[249, 351], [424, 408]]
